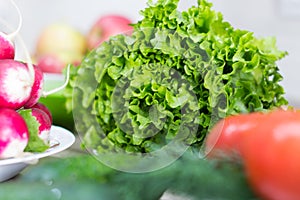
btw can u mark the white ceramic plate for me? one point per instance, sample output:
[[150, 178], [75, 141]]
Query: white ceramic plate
[[60, 139]]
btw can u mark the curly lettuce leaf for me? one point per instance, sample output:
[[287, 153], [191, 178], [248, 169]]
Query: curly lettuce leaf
[[179, 72]]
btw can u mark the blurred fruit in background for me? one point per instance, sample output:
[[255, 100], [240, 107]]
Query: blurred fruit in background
[[107, 26], [59, 44], [50, 63]]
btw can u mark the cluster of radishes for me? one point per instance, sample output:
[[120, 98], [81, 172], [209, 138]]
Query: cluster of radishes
[[21, 86]]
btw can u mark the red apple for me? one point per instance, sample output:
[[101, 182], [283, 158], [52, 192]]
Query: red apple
[[105, 27], [59, 44]]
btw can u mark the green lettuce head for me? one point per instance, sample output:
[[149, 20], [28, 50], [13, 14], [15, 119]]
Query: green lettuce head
[[159, 90]]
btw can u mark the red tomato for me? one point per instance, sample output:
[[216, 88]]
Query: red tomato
[[225, 138], [271, 155]]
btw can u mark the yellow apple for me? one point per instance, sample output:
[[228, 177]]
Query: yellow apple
[[61, 44]]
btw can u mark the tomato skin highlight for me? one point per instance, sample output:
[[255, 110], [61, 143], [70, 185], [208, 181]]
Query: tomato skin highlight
[[271, 156]]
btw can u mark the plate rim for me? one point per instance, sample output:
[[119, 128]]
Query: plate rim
[[65, 137]]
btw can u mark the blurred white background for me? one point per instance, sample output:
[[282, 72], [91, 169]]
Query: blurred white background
[[279, 18]]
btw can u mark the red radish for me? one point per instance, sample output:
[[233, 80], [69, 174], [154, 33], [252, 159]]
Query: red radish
[[43, 108], [15, 84], [45, 124], [21, 87], [13, 133], [7, 48], [37, 87]]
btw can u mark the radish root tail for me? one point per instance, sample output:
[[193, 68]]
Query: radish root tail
[[46, 93], [12, 35]]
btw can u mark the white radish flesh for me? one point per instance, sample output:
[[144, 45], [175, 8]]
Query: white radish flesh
[[13, 133], [15, 84]]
